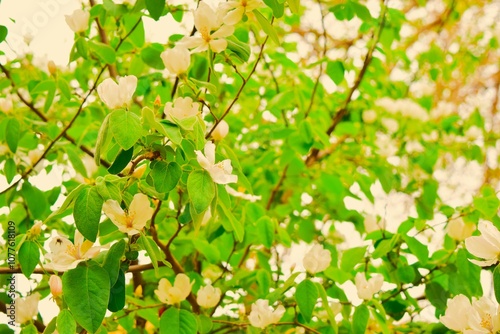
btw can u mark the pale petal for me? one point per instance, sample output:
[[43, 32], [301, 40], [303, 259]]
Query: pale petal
[[218, 45], [59, 244], [141, 210], [479, 247], [210, 152], [192, 42], [485, 263], [184, 285], [114, 212], [234, 16], [224, 31], [127, 85], [202, 160], [205, 17], [490, 233]]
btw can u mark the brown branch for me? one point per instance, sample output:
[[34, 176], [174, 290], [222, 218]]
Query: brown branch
[[276, 188], [343, 111], [104, 39], [44, 118], [245, 81]]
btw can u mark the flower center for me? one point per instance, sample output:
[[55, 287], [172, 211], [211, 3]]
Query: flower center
[[73, 251], [486, 322]]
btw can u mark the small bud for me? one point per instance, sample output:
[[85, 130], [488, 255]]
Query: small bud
[[36, 229], [138, 291], [157, 103], [369, 116], [220, 131], [139, 171], [52, 67], [55, 284]]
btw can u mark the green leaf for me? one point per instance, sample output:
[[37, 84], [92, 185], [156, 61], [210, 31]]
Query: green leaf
[[29, 255], [265, 231], [152, 249], [108, 189], [335, 70], [175, 321], [68, 201], [86, 291], [437, 295], [125, 127], [82, 47], [117, 293], [267, 27], [238, 47], [103, 51], [294, 6], [155, 8], [65, 322], [165, 176], [76, 161], [277, 6], [352, 257], [101, 139], [235, 225], [113, 260], [64, 88], [10, 169], [326, 305], [417, 248], [12, 134], [87, 213], [360, 319], [306, 296], [151, 56], [3, 33], [487, 204], [121, 161], [201, 190], [496, 282], [35, 199], [30, 329]]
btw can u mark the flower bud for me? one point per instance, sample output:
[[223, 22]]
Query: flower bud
[[55, 283], [157, 102], [183, 107], [369, 116], [317, 259], [6, 104], [116, 95], [36, 229], [51, 66], [208, 296], [174, 294], [459, 230], [220, 131], [176, 60], [263, 315], [139, 171], [78, 21]]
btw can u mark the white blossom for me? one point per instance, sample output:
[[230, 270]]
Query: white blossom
[[485, 246], [367, 288], [248, 197], [78, 21], [220, 131], [237, 8], [317, 259], [65, 255], [458, 311], [183, 107], [174, 294], [263, 315], [211, 30], [369, 116], [220, 172], [176, 60], [133, 220], [116, 95], [6, 104], [459, 230], [208, 296], [26, 308]]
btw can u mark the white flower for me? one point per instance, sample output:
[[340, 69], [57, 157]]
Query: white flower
[[55, 284], [486, 318], [208, 296], [171, 295], [458, 311], [390, 124], [176, 60], [248, 197], [317, 259], [371, 224], [485, 246], [237, 8], [78, 21], [6, 104], [459, 230], [133, 221], [473, 133], [220, 131], [64, 255], [366, 288], [183, 107], [369, 116], [26, 308], [221, 171], [117, 95], [211, 32], [263, 315]]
